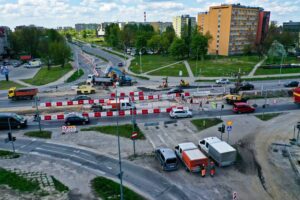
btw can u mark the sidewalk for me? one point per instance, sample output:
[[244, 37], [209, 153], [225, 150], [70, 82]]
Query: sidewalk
[[257, 66]]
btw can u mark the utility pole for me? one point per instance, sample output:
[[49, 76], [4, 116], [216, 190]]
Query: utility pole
[[119, 148], [141, 70], [264, 106], [133, 123], [197, 74], [37, 113]]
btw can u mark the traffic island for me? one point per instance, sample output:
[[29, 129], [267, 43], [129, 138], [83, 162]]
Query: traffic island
[[8, 154], [39, 134], [108, 189], [266, 117], [202, 124], [124, 130]]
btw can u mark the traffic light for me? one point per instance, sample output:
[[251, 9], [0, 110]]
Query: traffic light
[[9, 136], [222, 128], [13, 139]]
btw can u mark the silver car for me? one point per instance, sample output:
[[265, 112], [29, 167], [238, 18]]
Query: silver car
[[180, 113]]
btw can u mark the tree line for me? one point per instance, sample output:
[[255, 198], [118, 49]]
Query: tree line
[[191, 44], [46, 44]]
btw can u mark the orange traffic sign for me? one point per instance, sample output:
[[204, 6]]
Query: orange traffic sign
[[229, 123]]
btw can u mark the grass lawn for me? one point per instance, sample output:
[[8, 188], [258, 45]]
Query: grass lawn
[[267, 117], [150, 62], [202, 124], [5, 85], [8, 154], [75, 76], [124, 130], [261, 71], [287, 60], [256, 79], [59, 186], [45, 76], [108, 189], [17, 182], [224, 66], [38, 134], [171, 71]]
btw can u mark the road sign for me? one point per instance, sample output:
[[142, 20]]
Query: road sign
[[68, 129], [229, 123], [234, 195], [134, 135], [229, 128]]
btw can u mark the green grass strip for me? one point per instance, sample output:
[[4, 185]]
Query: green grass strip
[[5, 85], [59, 186], [124, 130], [17, 182], [109, 190], [266, 117], [38, 134], [76, 75], [203, 124]]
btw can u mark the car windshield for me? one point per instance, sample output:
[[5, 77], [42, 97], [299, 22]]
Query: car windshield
[[171, 161], [18, 117]]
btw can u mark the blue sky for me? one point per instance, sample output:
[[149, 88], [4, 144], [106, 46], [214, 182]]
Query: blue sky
[[53, 13]]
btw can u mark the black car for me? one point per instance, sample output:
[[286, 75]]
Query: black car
[[120, 64], [81, 97], [247, 86], [12, 120], [292, 84], [76, 119], [175, 91]]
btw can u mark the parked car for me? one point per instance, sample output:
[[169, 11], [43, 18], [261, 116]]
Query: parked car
[[292, 84], [76, 119], [120, 64], [167, 159], [13, 120], [222, 81], [175, 90], [26, 65], [247, 86], [241, 107], [81, 97], [180, 113], [85, 89]]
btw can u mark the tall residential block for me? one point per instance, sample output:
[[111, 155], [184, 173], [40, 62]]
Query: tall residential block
[[232, 27], [4, 43], [293, 27], [179, 22]]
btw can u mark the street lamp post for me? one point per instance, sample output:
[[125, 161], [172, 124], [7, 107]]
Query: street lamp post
[[141, 70], [133, 122], [197, 63], [281, 66], [119, 148]]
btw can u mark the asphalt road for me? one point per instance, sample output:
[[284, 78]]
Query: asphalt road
[[144, 180], [164, 116]]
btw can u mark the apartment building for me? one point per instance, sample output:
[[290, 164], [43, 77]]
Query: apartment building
[[81, 27], [293, 27], [4, 43], [179, 22], [232, 27]]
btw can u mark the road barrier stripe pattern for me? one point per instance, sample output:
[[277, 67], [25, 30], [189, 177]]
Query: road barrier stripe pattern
[[120, 113], [103, 101]]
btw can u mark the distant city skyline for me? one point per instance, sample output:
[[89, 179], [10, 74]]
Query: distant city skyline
[[57, 13]]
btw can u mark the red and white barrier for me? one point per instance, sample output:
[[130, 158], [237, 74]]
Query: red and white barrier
[[120, 113], [103, 101]]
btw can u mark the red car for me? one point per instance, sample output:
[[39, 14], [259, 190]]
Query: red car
[[241, 107]]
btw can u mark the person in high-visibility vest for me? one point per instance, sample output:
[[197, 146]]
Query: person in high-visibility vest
[[212, 169], [203, 170]]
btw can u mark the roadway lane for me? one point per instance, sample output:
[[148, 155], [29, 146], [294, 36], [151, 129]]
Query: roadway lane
[[165, 116], [147, 181]]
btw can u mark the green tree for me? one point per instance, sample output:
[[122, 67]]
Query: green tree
[[178, 48], [154, 43], [112, 35], [61, 53], [199, 45]]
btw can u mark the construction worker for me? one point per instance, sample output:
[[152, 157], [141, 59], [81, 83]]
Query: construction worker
[[212, 169], [203, 171]]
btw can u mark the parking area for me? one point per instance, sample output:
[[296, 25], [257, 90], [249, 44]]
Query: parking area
[[17, 73]]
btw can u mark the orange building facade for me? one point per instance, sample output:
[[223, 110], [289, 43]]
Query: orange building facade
[[232, 27]]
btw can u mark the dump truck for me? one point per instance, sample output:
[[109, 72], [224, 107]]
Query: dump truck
[[191, 157], [296, 95], [234, 98], [220, 151], [23, 93]]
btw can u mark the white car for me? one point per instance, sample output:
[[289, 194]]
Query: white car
[[222, 81], [180, 113]]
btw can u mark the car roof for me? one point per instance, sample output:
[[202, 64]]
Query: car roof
[[167, 152], [74, 114], [7, 114], [187, 146], [211, 140]]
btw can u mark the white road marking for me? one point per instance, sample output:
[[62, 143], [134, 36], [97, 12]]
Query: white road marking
[[159, 136], [109, 167]]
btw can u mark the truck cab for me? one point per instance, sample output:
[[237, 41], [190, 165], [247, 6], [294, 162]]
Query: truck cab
[[205, 143]]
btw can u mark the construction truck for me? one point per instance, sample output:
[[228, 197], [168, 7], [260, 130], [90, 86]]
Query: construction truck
[[23, 93], [233, 98]]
